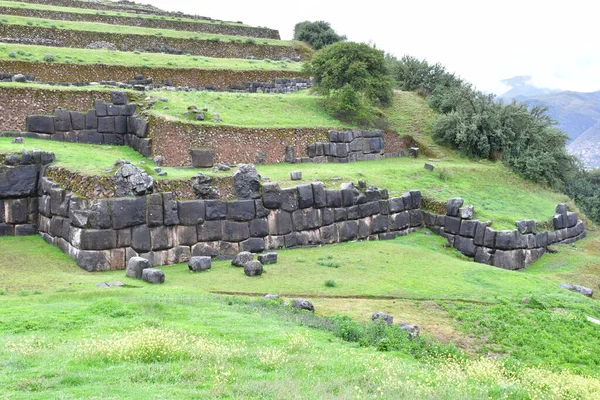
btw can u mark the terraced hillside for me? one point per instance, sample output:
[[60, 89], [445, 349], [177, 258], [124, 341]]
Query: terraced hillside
[[356, 233]]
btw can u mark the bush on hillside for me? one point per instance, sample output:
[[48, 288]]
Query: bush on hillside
[[348, 105], [412, 74], [584, 188], [317, 34]]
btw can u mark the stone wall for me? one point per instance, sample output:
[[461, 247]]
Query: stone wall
[[216, 28], [508, 249], [112, 123], [19, 174], [105, 234], [26, 34]]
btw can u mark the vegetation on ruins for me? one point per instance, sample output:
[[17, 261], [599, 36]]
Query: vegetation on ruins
[[317, 34]]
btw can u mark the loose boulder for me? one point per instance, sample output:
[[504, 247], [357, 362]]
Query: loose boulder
[[271, 296], [200, 263], [130, 180], [253, 268], [579, 289], [413, 330], [246, 182], [268, 258], [136, 266], [241, 259], [380, 315], [152, 275], [296, 175], [303, 304]]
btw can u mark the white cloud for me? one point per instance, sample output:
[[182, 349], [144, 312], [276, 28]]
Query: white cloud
[[482, 41]]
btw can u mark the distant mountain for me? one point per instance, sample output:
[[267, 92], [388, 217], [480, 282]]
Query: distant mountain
[[578, 115]]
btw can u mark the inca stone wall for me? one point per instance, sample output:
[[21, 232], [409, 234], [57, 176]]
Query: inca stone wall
[[216, 28], [26, 34], [508, 249], [19, 176]]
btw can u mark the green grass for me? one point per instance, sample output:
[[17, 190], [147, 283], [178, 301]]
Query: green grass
[[293, 110], [133, 30], [500, 200], [30, 53], [74, 10]]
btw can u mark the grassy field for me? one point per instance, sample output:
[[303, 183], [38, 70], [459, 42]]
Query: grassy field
[[30, 53], [62, 336], [135, 30], [29, 6], [477, 182], [250, 110]]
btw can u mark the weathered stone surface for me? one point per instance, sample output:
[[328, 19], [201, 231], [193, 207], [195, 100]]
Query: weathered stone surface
[[210, 231], [334, 198], [140, 239], [329, 234], [465, 245], [161, 238], [305, 196], [191, 212], [92, 239], [296, 175], [452, 225], [126, 212], [268, 258], [93, 260], [241, 210], [118, 97], [154, 276], [246, 182], [453, 206], [577, 288], [253, 268], [209, 249], [306, 219], [242, 258], [235, 231], [480, 233], [199, 264], [40, 124], [303, 304], [347, 230], [18, 181], [381, 316], [416, 218], [135, 266], [319, 195], [215, 209], [271, 296], [571, 220], [280, 222], [399, 221], [203, 158], [253, 245], [170, 210], [178, 255], [483, 255], [467, 212], [489, 238], [561, 208], [413, 330], [509, 259], [130, 180], [289, 199], [525, 226], [468, 228], [506, 240]]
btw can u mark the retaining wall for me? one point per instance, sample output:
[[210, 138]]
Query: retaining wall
[[55, 37], [216, 28]]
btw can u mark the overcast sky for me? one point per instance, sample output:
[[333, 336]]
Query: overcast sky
[[555, 42]]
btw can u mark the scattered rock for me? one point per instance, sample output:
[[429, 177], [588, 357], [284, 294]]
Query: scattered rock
[[135, 266], [296, 175], [593, 320], [413, 330], [577, 288], [118, 98], [163, 99], [453, 206], [467, 212], [221, 167], [100, 44], [130, 180], [253, 268], [201, 185], [200, 116], [19, 78], [159, 161], [268, 258], [18, 140], [303, 304], [241, 259], [199, 264], [109, 284], [380, 315], [429, 167], [157, 169], [271, 296], [246, 182], [162, 173], [152, 275]]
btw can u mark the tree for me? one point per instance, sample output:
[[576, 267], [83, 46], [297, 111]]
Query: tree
[[317, 34], [358, 65]]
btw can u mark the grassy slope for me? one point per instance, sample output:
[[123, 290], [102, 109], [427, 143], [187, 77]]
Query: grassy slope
[[133, 30], [295, 110], [503, 203], [32, 6], [30, 53]]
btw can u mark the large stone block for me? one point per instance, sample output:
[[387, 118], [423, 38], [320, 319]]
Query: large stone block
[[191, 212], [18, 181], [334, 198], [510, 259], [271, 195], [93, 260], [210, 231], [368, 209], [465, 245], [178, 255], [525, 226], [235, 231], [319, 195], [106, 125], [170, 210], [209, 249], [241, 210], [416, 219], [259, 227], [305, 196], [77, 121], [161, 238], [62, 120], [559, 221], [25, 230], [121, 125], [329, 234], [452, 225], [289, 199], [7, 230], [200, 263], [15, 211], [347, 230], [480, 233], [483, 255], [399, 221], [92, 239], [154, 276], [453, 206], [280, 222], [126, 212], [215, 209], [571, 220], [306, 219], [185, 235], [140, 239], [468, 228], [396, 205], [253, 245], [203, 158], [506, 240], [91, 120], [40, 124], [379, 223], [489, 238], [228, 250]]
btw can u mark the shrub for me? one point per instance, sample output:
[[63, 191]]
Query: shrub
[[317, 34], [350, 106], [12, 54], [49, 58], [250, 41], [330, 283]]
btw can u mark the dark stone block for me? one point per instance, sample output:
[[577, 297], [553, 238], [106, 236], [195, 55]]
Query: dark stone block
[[268, 258], [306, 219], [396, 204], [280, 223], [560, 221], [90, 137], [140, 239], [340, 214], [56, 227], [235, 231], [100, 107], [19, 181], [203, 158], [154, 276], [161, 238], [372, 194], [113, 110], [40, 124], [24, 230], [128, 110], [379, 223], [77, 121], [453, 206], [154, 210], [415, 199], [289, 199], [215, 209], [124, 237], [364, 228], [347, 230], [489, 238], [118, 97], [483, 255], [479, 233], [368, 209], [128, 212], [200, 263], [327, 216], [259, 227], [465, 245], [399, 221], [7, 230], [253, 245], [506, 240], [561, 208], [511, 259], [334, 198], [525, 226], [210, 249], [261, 211], [305, 196], [319, 195], [452, 225], [62, 120], [241, 210], [353, 212], [121, 125], [271, 195], [93, 260], [141, 128], [416, 219], [170, 210], [571, 219], [185, 235], [468, 228], [329, 234], [92, 239], [91, 120], [191, 212], [106, 125]]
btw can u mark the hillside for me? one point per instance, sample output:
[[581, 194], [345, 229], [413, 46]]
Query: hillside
[[127, 207]]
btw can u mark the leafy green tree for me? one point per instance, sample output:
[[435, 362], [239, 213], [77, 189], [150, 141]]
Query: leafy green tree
[[358, 65], [317, 34], [410, 74]]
